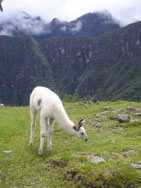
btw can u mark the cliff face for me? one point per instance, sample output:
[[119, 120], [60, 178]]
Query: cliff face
[[22, 66], [114, 71], [108, 67], [69, 58]]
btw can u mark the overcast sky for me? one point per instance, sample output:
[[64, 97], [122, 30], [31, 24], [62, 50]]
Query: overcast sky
[[126, 11]]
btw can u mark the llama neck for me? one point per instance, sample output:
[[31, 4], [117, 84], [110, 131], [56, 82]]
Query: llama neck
[[64, 121]]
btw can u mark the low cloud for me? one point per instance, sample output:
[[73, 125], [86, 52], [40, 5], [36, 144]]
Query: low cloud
[[76, 27], [7, 30], [24, 23], [63, 28]]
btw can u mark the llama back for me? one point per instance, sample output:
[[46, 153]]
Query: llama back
[[43, 99], [49, 105]]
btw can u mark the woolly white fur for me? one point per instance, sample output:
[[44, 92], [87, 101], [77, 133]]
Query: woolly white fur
[[51, 109]]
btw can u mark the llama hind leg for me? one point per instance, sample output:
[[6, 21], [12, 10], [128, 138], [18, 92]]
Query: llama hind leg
[[43, 130], [33, 114], [49, 133]]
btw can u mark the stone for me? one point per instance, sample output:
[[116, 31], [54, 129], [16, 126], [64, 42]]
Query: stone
[[117, 155], [95, 159], [131, 151], [137, 114], [123, 118], [133, 109], [7, 151], [106, 108], [1, 105], [103, 113], [137, 166]]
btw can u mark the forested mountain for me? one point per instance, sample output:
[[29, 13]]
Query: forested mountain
[[22, 66], [91, 24], [107, 67]]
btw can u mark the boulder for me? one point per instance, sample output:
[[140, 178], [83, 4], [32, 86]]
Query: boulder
[[1, 105], [133, 109], [123, 118]]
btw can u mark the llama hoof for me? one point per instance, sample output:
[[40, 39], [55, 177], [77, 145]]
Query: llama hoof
[[30, 144], [40, 152]]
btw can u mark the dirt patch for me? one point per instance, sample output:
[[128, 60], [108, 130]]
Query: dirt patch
[[70, 174], [57, 163]]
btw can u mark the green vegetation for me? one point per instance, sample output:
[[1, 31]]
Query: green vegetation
[[108, 67], [76, 97], [67, 164]]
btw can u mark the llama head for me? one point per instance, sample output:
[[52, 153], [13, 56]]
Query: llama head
[[80, 131]]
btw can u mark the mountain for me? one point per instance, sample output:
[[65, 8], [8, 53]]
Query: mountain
[[91, 24], [22, 66], [107, 67]]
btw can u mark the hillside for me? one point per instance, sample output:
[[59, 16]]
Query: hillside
[[108, 67], [114, 71], [110, 157], [22, 66]]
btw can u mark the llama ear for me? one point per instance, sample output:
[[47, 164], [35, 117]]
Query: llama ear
[[80, 123], [75, 127]]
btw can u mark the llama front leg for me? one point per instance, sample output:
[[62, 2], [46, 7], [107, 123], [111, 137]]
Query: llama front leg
[[43, 125], [33, 125], [49, 133]]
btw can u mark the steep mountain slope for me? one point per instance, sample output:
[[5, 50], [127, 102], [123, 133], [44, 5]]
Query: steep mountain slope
[[69, 58], [22, 66], [108, 67], [115, 68]]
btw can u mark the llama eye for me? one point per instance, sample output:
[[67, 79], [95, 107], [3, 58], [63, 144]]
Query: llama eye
[[82, 133]]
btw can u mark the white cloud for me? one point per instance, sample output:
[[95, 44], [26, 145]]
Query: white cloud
[[126, 11], [76, 27], [7, 30], [63, 28], [24, 23]]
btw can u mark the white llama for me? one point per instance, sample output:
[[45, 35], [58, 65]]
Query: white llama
[[51, 109]]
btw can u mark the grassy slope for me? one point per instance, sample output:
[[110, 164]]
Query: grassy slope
[[66, 165]]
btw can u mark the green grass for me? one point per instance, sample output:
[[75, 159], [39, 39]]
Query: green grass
[[67, 165]]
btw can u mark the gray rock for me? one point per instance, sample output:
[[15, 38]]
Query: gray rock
[[106, 108], [1, 105], [137, 166], [117, 155], [115, 111], [103, 113], [133, 109], [131, 151], [95, 159], [137, 114], [123, 118]]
